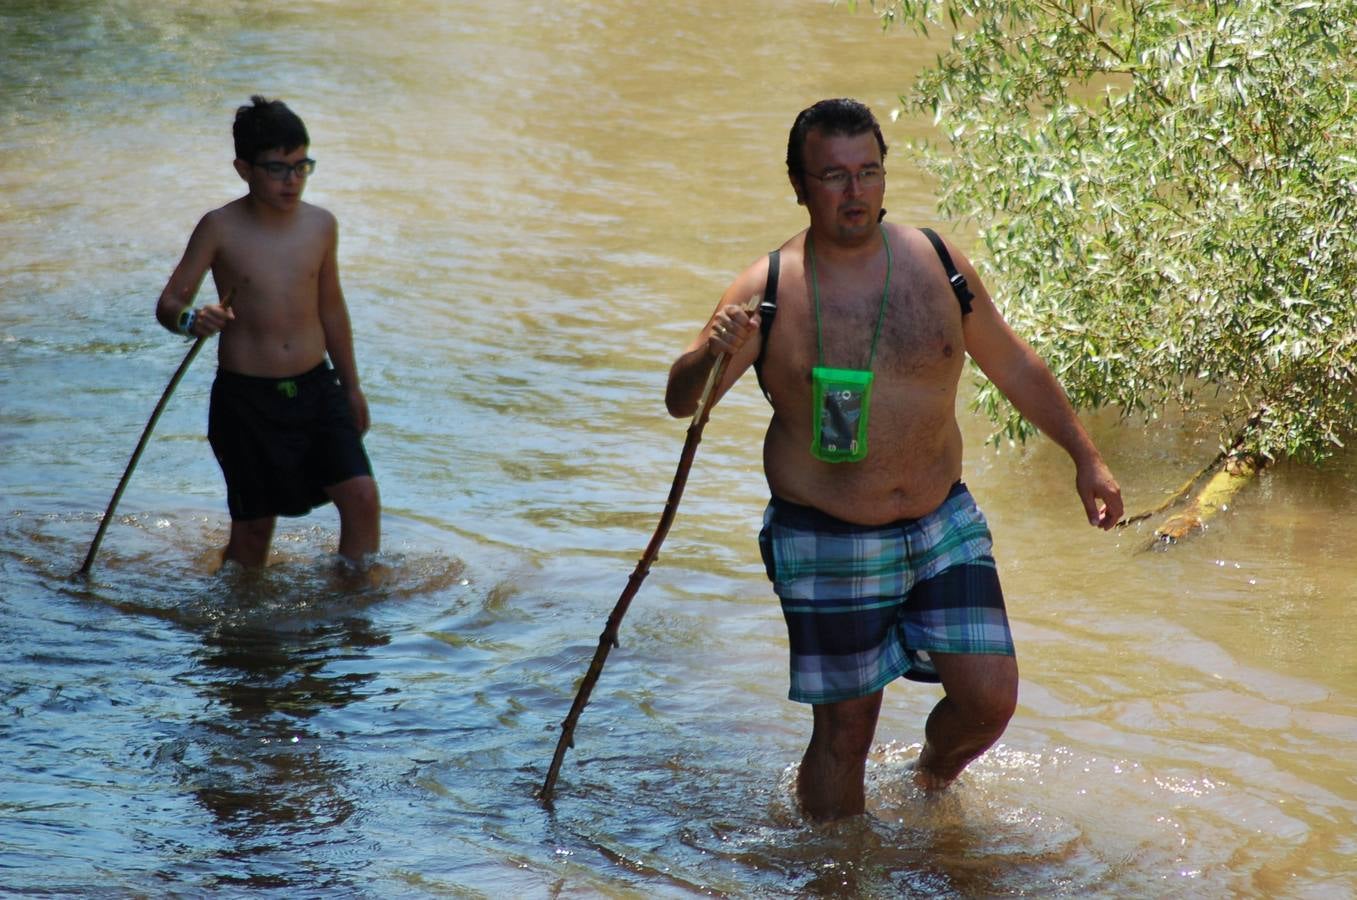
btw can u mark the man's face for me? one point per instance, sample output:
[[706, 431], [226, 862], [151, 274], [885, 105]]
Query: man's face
[[844, 183], [282, 187]]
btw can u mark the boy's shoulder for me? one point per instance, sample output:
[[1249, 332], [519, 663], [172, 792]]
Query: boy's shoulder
[[318, 213], [316, 222], [238, 215], [225, 216]]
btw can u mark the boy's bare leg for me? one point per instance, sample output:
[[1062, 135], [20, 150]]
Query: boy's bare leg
[[830, 783], [249, 541], [981, 694], [360, 513]]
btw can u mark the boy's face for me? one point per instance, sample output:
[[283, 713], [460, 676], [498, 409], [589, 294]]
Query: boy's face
[[281, 193]]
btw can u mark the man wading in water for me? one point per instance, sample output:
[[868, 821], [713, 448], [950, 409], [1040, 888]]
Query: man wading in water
[[879, 555]]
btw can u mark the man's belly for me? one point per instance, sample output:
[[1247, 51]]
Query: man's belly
[[906, 474]]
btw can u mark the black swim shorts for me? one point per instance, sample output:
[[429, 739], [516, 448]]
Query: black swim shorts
[[281, 441]]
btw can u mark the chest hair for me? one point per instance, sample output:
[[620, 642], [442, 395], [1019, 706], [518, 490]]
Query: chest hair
[[921, 330]]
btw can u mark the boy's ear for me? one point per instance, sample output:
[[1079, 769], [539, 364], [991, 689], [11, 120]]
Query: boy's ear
[[242, 169]]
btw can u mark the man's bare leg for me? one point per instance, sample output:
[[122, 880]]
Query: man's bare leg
[[360, 513], [830, 783], [981, 694], [249, 541]]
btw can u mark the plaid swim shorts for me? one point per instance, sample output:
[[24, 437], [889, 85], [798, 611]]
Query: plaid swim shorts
[[866, 604]]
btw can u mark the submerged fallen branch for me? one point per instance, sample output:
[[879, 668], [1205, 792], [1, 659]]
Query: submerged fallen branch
[[1232, 475], [1215, 487], [1177, 496]]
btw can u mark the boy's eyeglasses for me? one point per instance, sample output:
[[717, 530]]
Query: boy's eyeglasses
[[839, 179], [278, 171]]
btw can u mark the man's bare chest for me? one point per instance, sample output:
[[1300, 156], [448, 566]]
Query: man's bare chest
[[918, 334]]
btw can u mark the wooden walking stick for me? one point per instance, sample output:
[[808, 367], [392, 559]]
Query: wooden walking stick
[[608, 639], [141, 445]]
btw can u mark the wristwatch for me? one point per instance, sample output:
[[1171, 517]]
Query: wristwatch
[[185, 323]]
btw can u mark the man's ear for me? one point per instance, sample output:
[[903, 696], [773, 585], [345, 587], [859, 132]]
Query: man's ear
[[797, 186], [242, 169]]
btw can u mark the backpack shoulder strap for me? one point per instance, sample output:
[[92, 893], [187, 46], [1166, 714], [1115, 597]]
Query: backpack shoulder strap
[[767, 311], [954, 278], [768, 307]]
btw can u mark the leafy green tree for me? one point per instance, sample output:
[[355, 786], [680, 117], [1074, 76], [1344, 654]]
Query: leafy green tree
[[1167, 193]]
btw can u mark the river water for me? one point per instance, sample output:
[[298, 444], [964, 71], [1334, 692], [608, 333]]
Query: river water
[[539, 203]]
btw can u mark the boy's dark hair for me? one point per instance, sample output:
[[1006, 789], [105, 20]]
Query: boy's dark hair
[[267, 125], [838, 116]]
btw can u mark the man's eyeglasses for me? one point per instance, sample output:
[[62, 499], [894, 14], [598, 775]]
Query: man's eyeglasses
[[278, 171], [839, 179]]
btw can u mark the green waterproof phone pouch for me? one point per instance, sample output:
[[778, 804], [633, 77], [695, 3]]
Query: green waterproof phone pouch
[[842, 398]]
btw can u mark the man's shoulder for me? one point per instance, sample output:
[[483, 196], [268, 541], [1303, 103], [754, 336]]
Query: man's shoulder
[[790, 251], [917, 240], [907, 236], [794, 246]]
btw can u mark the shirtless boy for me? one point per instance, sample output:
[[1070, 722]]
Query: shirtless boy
[[285, 426], [882, 561]]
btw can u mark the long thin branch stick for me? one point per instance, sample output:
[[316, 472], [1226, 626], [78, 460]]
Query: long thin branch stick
[[608, 639], [141, 445]]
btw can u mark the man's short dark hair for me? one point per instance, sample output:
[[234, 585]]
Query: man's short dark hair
[[839, 116], [267, 125]]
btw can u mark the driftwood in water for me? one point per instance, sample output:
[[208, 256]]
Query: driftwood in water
[[1215, 495], [1208, 492]]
